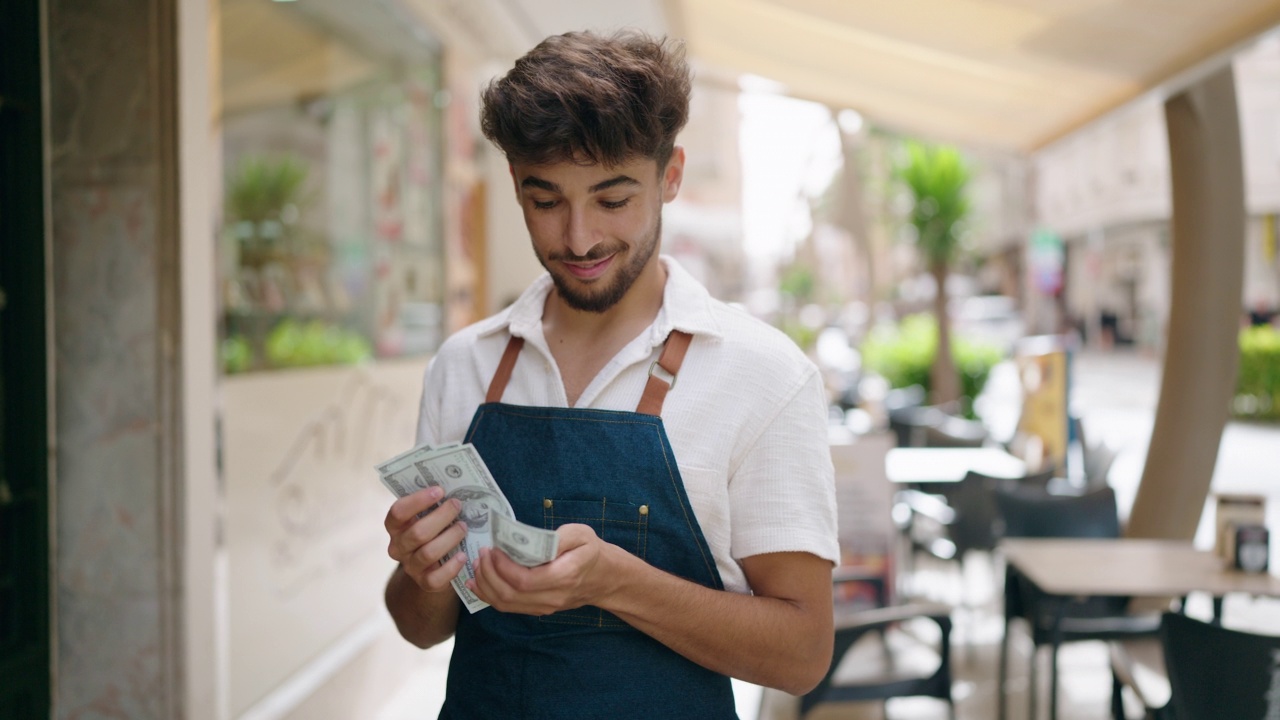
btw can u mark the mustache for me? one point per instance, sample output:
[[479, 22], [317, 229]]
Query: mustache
[[599, 252]]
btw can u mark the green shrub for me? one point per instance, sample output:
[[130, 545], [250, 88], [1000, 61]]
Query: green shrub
[[237, 355], [1258, 379], [904, 356], [295, 344]]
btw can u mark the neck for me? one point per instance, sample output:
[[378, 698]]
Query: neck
[[634, 312]]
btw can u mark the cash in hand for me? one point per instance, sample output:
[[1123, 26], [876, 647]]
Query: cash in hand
[[490, 521]]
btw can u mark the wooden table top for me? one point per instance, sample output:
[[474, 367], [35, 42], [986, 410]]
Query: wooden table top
[[942, 465], [1138, 568]]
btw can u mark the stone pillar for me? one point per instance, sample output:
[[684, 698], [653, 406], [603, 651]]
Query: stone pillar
[[1208, 267], [123, 393]]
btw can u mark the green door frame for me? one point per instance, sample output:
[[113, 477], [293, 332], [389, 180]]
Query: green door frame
[[24, 485]]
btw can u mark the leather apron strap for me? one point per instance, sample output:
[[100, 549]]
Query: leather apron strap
[[655, 390], [502, 376]]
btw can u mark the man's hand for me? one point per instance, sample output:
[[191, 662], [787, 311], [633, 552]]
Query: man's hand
[[419, 544], [779, 636], [574, 578]]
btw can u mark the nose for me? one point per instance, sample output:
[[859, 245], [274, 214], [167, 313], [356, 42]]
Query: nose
[[580, 236]]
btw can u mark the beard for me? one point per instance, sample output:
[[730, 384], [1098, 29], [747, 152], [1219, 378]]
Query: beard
[[589, 297]]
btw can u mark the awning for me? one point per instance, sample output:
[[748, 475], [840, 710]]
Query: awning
[[1012, 74]]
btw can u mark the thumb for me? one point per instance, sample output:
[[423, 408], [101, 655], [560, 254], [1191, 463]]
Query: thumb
[[573, 535]]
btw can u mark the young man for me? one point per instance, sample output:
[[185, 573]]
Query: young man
[[678, 446]]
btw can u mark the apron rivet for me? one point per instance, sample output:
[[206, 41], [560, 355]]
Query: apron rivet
[[546, 502], [644, 509]]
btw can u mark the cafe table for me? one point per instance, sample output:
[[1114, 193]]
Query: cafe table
[[919, 466], [1067, 568]]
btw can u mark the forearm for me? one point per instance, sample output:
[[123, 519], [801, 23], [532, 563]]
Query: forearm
[[771, 641], [423, 618]]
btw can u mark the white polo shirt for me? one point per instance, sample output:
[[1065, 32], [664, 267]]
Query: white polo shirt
[[747, 418]]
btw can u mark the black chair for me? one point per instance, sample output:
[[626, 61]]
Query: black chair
[[1096, 458], [910, 420], [955, 432], [1138, 665], [1219, 673], [876, 657], [1029, 512], [909, 423], [967, 520]]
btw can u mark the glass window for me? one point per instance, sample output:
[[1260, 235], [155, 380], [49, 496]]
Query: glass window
[[330, 240]]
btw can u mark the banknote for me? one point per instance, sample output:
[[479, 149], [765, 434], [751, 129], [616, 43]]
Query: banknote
[[528, 545], [460, 471]]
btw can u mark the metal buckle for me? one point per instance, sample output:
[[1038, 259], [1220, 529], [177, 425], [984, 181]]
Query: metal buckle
[[666, 377]]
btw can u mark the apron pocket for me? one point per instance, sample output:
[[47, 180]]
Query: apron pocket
[[616, 522], [620, 523]]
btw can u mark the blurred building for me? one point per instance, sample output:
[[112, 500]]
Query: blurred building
[[1104, 191]]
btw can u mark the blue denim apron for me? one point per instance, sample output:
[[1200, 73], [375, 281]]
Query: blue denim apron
[[614, 471]]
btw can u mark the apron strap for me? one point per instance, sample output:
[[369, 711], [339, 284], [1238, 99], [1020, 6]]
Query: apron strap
[[498, 385], [656, 389]]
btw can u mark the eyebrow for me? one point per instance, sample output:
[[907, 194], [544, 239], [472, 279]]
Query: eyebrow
[[537, 182]]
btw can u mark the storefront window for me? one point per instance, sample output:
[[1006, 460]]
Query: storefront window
[[330, 243], [331, 273]]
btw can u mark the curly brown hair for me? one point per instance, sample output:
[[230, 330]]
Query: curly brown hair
[[591, 99]]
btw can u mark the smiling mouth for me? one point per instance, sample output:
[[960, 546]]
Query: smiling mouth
[[588, 270]]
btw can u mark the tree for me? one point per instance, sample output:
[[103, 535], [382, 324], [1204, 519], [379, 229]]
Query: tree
[[937, 178]]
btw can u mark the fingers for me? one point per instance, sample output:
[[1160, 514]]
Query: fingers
[[411, 538], [423, 564], [404, 510], [561, 584], [437, 577], [426, 540], [574, 535], [503, 587], [431, 549]]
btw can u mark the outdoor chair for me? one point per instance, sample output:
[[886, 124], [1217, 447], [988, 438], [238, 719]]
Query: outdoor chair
[[1096, 458], [1219, 673], [881, 651], [909, 423], [884, 653], [865, 528], [967, 520], [1029, 512], [1138, 664], [950, 431]]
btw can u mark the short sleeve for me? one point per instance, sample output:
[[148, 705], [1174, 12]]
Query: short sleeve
[[782, 495]]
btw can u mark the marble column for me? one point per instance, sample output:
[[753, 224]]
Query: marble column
[[112, 131]]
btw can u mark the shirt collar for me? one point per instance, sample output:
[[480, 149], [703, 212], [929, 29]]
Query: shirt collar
[[686, 306]]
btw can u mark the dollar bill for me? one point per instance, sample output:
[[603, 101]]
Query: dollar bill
[[399, 475], [460, 471], [528, 545]]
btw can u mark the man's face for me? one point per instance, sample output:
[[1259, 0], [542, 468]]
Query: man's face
[[596, 228]]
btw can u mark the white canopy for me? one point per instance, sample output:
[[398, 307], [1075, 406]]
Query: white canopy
[[1013, 74]]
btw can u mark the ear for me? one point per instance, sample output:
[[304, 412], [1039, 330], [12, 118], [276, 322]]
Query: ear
[[673, 175]]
